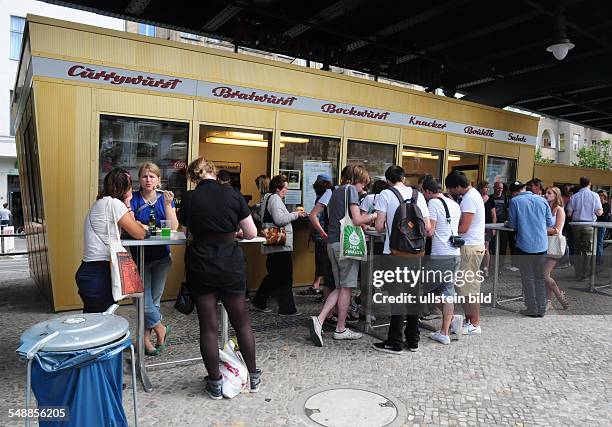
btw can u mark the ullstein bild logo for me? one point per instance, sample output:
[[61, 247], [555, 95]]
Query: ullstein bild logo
[[117, 79], [228, 92]]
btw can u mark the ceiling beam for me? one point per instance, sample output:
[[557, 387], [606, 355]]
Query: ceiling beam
[[217, 21], [331, 12], [578, 113], [555, 107], [136, 7]]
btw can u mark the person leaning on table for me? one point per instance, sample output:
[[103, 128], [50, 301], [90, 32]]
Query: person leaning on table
[[93, 277], [216, 267]]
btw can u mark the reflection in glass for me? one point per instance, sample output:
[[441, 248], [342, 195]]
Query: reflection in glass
[[128, 142], [418, 162], [500, 169], [374, 156]]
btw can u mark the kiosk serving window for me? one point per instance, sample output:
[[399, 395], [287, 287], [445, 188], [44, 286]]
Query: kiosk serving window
[[302, 158], [243, 153], [419, 161], [500, 169], [374, 156], [128, 142]]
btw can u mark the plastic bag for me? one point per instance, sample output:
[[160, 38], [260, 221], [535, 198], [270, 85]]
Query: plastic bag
[[234, 372], [352, 237]]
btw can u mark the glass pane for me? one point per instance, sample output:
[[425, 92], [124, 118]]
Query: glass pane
[[243, 153], [128, 142], [17, 24], [418, 161], [302, 158], [15, 45], [146, 30], [500, 169], [467, 163], [375, 157]]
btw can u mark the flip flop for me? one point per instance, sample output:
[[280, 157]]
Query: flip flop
[[163, 346], [153, 352]]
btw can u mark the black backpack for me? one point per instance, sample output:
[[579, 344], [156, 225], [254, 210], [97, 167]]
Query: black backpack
[[408, 233]]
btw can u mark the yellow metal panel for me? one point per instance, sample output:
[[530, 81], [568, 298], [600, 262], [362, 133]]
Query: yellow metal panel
[[64, 130], [143, 105], [234, 115], [311, 125], [115, 48], [525, 163], [371, 132], [553, 173], [416, 138], [469, 145], [501, 149]]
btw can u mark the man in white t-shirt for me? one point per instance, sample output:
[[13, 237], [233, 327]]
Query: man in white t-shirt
[[472, 229], [386, 205], [444, 256]]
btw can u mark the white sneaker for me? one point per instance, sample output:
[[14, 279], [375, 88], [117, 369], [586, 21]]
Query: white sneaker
[[442, 339], [315, 331], [469, 329], [347, 335], [456, 326]]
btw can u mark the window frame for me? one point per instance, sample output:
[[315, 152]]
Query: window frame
[[13, 32]]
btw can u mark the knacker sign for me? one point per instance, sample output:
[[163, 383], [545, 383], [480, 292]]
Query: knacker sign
[[118, 77]]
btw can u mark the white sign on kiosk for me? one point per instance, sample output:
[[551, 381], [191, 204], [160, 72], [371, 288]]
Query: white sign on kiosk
[[312, 169], [7, 243]]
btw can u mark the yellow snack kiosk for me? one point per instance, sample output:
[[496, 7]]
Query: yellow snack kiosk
[[88, 99]]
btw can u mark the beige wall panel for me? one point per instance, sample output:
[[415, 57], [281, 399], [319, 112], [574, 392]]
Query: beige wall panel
[[417, 138], [552, 173], [370, 132], [469, 145], [64, 120], [234, 115], [501, 149], [156, 55], [525, 163], [311, 125], [149, 105]]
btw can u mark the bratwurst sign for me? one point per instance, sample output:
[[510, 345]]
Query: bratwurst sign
[[118, 77]]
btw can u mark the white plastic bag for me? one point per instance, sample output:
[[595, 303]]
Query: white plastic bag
[[234, 372]]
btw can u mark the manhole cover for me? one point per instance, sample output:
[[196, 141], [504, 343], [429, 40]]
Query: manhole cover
[[350, 407]]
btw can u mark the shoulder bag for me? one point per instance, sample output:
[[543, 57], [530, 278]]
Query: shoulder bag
[[556, 244], [455, 241], [352, 237], [274, 235], [125, 279]]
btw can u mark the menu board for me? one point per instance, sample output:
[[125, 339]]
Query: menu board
[[312, 169]]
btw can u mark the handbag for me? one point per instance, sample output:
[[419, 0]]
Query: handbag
[[274, 235], [556, 245], [455, 241], [184, 303], [352, 238]]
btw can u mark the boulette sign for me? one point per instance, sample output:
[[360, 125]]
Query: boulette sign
[[118, 77]]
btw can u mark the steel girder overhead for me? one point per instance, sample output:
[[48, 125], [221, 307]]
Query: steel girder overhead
[[495, 52]]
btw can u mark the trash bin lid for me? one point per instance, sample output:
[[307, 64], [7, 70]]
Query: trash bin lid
[[77, 331]]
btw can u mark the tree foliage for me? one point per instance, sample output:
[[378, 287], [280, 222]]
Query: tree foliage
[[597, 156]]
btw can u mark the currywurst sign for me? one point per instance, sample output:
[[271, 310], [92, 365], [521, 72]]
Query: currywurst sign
[[118, 77]]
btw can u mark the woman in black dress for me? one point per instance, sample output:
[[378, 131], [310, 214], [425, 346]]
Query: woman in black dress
[[215, 266]]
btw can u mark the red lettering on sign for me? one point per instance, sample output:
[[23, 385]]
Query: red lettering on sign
[[334, 109], [479, 131], [435, 124], [518, 138], [115, 79], [227, 92]]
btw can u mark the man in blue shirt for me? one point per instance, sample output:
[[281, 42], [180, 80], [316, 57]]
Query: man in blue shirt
[[530, 215]]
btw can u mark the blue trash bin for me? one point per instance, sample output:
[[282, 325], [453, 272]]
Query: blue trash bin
[[76, 362]]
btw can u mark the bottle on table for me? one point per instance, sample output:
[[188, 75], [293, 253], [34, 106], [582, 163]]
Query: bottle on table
[[152, 225]]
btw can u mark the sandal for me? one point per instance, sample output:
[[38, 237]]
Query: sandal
[[163, 344], [564, 300], [154, 352]]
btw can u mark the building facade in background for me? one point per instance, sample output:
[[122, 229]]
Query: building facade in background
[[12, 21]]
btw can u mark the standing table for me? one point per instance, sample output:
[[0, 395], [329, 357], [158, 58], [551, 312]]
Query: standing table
[[177, 238], [368, 328], [499, 227], [595, 225]]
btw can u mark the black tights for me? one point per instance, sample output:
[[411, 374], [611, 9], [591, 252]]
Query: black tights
[[206, 306]]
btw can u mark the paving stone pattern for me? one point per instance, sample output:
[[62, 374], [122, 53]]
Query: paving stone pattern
[[554, 371]]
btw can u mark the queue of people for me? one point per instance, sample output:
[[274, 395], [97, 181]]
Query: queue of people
[[216, 266]]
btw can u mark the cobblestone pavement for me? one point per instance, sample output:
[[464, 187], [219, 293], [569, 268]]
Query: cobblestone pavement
[[554, 371]]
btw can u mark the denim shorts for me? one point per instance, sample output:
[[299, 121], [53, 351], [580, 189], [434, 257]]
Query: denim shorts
[[441, 273]]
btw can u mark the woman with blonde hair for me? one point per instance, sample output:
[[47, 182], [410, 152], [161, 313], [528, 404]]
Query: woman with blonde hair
[[554, 199], [354, 179], [147, 202], [216, 267]]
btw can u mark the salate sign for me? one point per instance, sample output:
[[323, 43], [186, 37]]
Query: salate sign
[[117, 77]]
